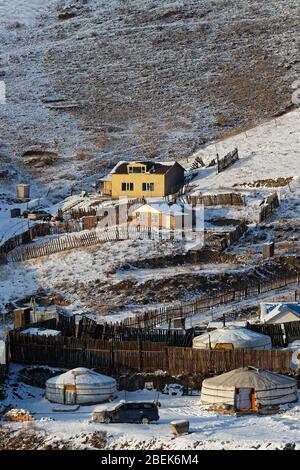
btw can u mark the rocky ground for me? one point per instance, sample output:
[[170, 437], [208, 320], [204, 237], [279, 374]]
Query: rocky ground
[[89, 82]]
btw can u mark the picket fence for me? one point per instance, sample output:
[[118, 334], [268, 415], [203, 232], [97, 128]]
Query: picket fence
[[78, 240], [165, 314]]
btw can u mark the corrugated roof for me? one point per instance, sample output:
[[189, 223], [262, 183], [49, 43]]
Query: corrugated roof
[[273, 309]]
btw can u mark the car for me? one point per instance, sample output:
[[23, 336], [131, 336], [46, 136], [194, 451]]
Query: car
[[128, 412], [37, 215]]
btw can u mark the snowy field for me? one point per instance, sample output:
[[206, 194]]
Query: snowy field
[[208, 429], [68, 270], [269, 151], [23, 11]]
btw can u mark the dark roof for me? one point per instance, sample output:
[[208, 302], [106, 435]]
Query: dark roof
[[155, 167]]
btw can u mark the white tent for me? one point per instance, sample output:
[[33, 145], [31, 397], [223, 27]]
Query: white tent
[[80, 386], [249, 388], [232, 337]]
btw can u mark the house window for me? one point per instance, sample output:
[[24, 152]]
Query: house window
[[154, 218], [141, 217], [136, 169], [148, 186], [127, 186]]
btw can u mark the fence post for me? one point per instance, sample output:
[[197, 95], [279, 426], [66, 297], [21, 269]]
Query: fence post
[[140, 355], [112, 357], [166, 359]]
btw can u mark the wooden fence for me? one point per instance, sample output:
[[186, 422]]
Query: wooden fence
[[280, 334], [88, 238], [38, 230], [276, 332], [269, 205], [165, 314], [218, 199], [138, 356], [227, 161], [90, 329]]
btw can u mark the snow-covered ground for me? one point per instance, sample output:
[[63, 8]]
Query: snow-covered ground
[[208, 429], [23, 11], [65, 270], [268, 151]]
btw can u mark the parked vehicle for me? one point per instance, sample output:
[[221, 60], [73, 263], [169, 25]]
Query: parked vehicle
[[128, 412], [37, 215]]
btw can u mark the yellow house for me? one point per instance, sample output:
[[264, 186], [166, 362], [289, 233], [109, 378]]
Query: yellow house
[[143, 179]]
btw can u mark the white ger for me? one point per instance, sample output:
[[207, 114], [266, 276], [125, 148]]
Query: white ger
[[232, 337], [249, 388], [80, 386]]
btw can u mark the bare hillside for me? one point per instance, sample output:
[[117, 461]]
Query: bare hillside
[[89, 81]]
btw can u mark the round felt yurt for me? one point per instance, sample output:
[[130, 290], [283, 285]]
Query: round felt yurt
[[80, 386], [249, 388], [232, 337]]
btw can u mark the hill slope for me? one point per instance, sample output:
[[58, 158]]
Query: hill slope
[[91, 81]]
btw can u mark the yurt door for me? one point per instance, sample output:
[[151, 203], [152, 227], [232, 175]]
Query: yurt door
[[70, 395], [243, 398]]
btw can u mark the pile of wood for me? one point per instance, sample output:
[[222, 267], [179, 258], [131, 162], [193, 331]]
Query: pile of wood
[[18, 415]]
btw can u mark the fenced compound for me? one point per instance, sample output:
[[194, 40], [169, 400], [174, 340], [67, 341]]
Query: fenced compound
[[276, 332], [79, 213], [205, 305], [89, 329], [218, 199], [292, 331], [197, 163], [66, 226], [227, 161], [37, 230], [280, 334], [139, 356], [88, 238], [269, 205]]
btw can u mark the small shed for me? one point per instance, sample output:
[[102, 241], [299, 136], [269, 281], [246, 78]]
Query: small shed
[[272, 312], [162, 215], [249, 388], [23, 192], [80, 386], [232, 337]]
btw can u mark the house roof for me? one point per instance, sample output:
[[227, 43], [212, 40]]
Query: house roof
[[259, 379], [161, 207], [152, 167], [239, 337]]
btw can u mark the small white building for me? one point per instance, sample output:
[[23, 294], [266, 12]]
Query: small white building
[[80, 386], [274, 312], [232, 337]]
